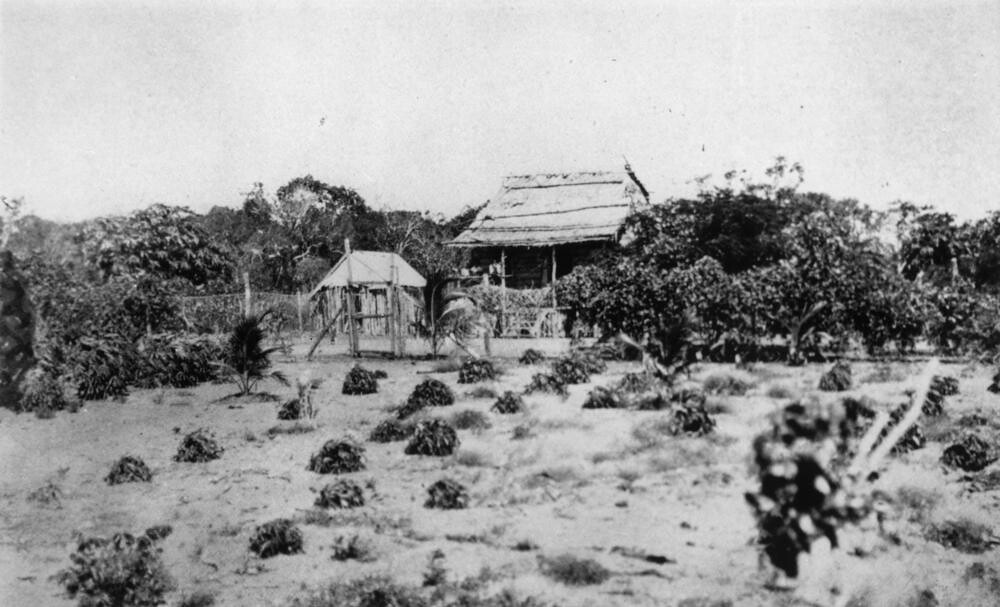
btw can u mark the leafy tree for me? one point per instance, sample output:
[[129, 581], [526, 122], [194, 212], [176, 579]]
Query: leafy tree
[[246, 360]]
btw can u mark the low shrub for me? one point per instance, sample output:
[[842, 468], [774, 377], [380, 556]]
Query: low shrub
[[290, 410], [508, 403], [102, 368], [391, 430], [546, 382], [341, 494], [470, 419], [380, 374], [963, 535], [44, 393], [129, 469], [635, 383], [531, 357], [360, 381], [198, 446], [373, 591], [433, 437], [476, 370], [602, 397], [123, 570], [198, 598], [971, 454], [591, 361], [353, 548], [692, 419], [447, 494], [972, 420], [728, 384], [574, 571], [178, 362], [570, 370], [338, 457], [913, 439], [48, 494], [434, 392], [837, 379], [280, 536], [296, 428]]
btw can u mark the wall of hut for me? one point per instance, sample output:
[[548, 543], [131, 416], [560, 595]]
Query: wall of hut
[[372, 301]]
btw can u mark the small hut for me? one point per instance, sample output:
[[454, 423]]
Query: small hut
[[370, 293]]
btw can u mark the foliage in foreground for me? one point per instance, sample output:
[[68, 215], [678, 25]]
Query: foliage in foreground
[[338, 457], [800, 499], [476, 370], [280, 536], [391, 430], [129, 469], [199, 446], [17, 354], [119, 571], [341, 494], [433, 437], [508, 403], [360, 381], [447, 494]]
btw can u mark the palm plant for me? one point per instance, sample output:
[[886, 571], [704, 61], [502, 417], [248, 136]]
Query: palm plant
[[246, 360]]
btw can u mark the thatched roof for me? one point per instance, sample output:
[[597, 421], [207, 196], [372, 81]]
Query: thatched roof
[[371, 269], [549, 209]]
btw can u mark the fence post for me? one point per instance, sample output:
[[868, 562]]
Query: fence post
[[298, 307]]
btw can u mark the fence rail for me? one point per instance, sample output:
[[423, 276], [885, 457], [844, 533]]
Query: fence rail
[[219, 313]]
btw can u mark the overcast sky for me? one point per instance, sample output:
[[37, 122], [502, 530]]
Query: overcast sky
[[110, 106]]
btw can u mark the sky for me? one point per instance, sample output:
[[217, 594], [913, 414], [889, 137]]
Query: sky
[[109, 106]]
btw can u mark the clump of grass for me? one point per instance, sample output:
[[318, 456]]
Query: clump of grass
[[353, 548], [436, 573], [508, 403], [296, 428], [971, 454], [531, 357], [919, 502], [522, 432], [837, 379], [433, 437], [280, 536], [341, 494], [290, 410], [481, 392], [574, 571], [129, 469], [472, 459], [602, 397], [338, 457], [380, 374], [547, 382], [524, 545], [198, 598], [728, 384], [972, 420], [120, 570], [964, 535], [476, 370], [373, 591], [48, 494], [470, 419], [197, 447], [884, 373], [693, 420], [780, 391], [391, 430], [360, 381], [447, 494]]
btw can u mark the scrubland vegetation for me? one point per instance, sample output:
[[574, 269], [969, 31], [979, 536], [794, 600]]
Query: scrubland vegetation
[[756, 323]]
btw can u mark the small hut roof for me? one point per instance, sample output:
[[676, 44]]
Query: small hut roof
[[370, 268], [548, 209]]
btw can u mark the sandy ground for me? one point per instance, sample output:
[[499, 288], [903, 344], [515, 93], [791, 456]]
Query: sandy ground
[[582, 484]]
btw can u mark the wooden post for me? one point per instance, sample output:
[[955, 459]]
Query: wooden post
[[298, 307], [503, 292], [391, 304], [552, 285], [400, 325], [246, 294], [355, 346]]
